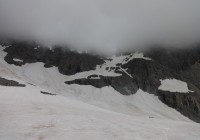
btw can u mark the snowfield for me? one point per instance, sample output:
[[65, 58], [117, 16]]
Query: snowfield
[[82, 112], [26, 114]]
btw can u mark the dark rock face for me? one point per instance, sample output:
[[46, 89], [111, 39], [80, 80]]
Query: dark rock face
[[124, 84], [148, 74], [68, 62], [72, 63], [6, 82], [192, 74], [187, 104], [175, 59]]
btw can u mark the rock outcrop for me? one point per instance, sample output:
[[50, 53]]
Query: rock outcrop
[[68, 62], [6, 82], [188, 104]]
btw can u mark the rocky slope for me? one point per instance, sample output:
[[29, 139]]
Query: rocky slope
[[125, 73], [68, 62]]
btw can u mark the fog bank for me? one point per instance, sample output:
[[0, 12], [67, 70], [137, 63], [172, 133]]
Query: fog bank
[[104, 26]]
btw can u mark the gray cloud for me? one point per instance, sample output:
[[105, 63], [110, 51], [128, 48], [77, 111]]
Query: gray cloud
[[105, 26]]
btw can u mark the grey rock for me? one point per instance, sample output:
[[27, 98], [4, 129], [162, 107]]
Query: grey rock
[[6, 82], [123, 84], [47, 93], [186, 103]]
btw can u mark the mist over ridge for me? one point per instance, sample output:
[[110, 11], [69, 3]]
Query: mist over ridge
[[102, 26]]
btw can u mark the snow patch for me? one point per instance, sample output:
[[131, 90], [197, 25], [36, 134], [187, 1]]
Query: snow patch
[[174, 85], [124, 70], [17, 60], [123, 59]]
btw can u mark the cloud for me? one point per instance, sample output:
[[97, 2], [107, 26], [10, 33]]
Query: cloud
[[105, 26]]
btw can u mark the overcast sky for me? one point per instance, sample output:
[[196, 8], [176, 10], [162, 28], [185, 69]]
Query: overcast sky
[[102, 25]]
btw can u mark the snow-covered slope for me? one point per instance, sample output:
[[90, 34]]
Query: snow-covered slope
[[26, 114], [81, 112], [52, 81]]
